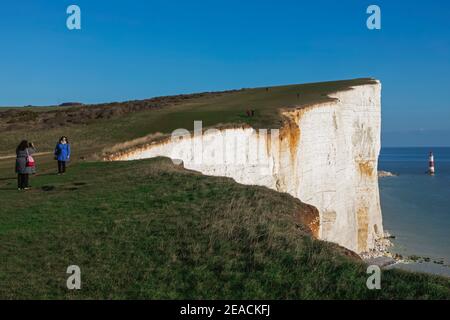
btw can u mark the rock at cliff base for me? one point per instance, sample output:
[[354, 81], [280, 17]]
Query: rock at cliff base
[[383, 174]]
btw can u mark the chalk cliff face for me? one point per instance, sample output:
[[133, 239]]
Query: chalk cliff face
[[325, 155]]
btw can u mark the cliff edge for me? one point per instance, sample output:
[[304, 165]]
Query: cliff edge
[[324, 154]]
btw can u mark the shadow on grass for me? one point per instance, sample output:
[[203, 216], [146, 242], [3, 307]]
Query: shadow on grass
[[46, 174], [48, 188], [9, 178]]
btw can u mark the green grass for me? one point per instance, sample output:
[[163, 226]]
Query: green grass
[[152, 230]]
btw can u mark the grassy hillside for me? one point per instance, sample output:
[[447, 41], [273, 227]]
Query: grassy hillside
[[149, 229], [92, 128]]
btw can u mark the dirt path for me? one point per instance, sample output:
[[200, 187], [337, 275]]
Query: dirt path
[[34, 155]]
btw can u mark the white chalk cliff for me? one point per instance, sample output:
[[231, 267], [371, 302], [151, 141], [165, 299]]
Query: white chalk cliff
[[325, 155]]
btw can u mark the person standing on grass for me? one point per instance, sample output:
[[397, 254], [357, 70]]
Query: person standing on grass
[[24, 164], [62, 154]]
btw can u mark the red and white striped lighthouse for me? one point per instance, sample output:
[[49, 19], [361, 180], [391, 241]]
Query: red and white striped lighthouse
[[431, 164]]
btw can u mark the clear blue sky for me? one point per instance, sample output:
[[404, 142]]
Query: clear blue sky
[[138, 49]]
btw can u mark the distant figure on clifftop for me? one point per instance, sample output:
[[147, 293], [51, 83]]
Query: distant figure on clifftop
[[62, 154]]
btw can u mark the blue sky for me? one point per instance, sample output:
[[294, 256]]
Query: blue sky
[[138, 49]]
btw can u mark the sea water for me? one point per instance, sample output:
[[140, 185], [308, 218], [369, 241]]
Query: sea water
[[416, 206]]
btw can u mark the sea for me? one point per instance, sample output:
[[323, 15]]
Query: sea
[[416, 207]]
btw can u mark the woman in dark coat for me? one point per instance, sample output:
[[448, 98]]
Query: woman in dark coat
[[23, 171]]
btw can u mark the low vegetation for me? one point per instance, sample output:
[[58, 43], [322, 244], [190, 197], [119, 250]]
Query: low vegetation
[[151, 230]]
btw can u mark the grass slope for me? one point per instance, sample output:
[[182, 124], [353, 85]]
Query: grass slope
[[150, 230], [92, 135]]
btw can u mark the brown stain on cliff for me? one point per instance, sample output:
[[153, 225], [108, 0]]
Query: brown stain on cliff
[[366, 168], [309, 217], [269, 143], [266, 136], [314, 226], [363, 228], [290, 131]]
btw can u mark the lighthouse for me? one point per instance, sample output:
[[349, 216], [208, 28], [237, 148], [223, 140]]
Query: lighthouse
[[431, 164]]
